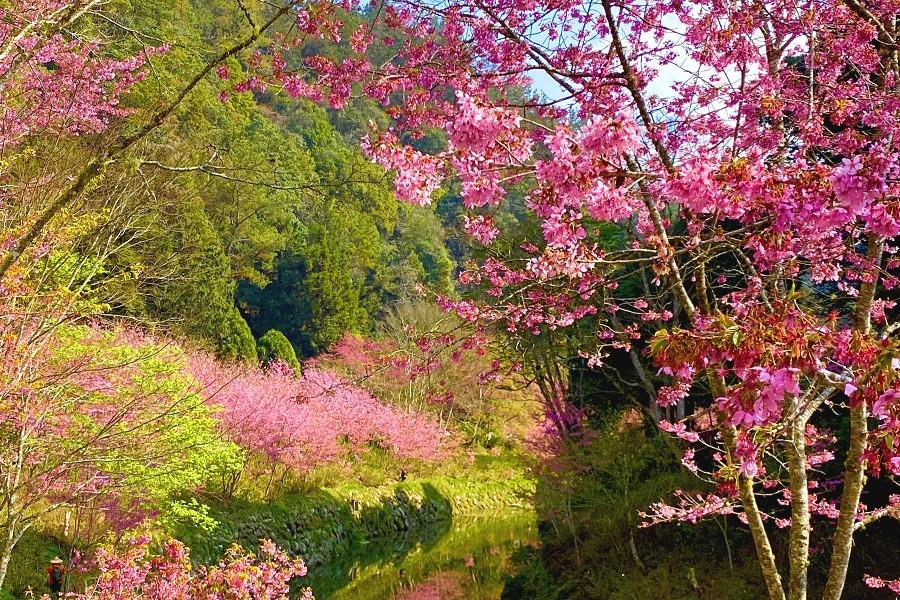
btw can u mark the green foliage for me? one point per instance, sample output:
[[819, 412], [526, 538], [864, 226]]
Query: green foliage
[[274, 346], [594, 503], [188, 452], [186, 280], [285, 218], [419, 241], [234, 340], [187, 512], [353, 252]]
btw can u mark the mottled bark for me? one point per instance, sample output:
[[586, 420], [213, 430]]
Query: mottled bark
[[854, 479], [764, 554], [854, 467], [11, 537], [798, 547], [5, 557]]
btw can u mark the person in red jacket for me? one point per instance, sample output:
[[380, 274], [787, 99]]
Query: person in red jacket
[[55, 574]]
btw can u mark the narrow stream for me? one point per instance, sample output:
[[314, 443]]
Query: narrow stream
[[468, 558]]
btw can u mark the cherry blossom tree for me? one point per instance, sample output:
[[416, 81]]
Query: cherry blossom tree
[[99, 422], [744, 153]]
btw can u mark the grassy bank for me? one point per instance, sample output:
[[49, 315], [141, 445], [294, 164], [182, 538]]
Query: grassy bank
[[323, 525]]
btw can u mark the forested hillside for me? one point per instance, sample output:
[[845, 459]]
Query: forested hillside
[[257, 209]]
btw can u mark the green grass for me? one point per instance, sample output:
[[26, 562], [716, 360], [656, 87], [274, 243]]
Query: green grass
[[28, 567]]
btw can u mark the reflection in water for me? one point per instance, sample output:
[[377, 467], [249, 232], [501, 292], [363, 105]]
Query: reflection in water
[[458, 560]]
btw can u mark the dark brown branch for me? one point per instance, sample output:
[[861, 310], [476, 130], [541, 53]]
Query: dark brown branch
[[631, 83]]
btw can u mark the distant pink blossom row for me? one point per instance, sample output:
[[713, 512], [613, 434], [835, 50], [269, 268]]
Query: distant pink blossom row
[[305, 421]]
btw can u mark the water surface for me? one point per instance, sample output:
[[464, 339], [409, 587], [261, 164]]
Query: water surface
[[467, 558]]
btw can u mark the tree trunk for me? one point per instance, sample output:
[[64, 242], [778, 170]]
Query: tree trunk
[[854, 479], [6, 555], [4, 564], [854, 467], [798, 553], [764, 553]]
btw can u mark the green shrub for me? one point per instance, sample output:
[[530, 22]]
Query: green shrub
[[275, 346], [235, 340]]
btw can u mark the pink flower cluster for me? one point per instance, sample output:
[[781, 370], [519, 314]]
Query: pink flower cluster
[[57, 85], [689, 508], [771, 386], [879, 583], [610, 137], [131, 573], [481, 227], [475, 126], [480, 186], [417, 175], [746, 452], [680, 431]]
